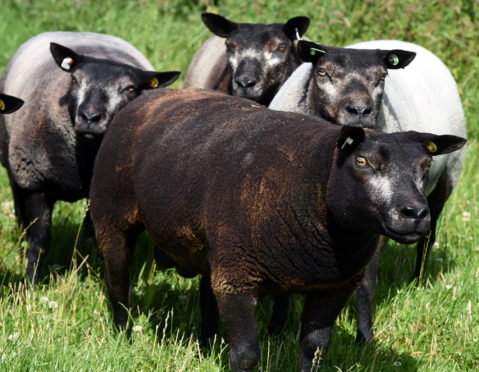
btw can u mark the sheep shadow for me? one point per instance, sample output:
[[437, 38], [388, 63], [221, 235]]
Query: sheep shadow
[[396, 268], [173, 311], [73, 247]]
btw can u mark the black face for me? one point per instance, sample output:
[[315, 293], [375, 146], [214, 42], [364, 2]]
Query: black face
[[260, 56], [9, 104], [100, 88], [378, 185], [349, 83]]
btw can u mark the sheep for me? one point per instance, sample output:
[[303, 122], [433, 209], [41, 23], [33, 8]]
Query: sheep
[[48, 147], [421, 97], [254, 60], [9, 104], [256, 201]]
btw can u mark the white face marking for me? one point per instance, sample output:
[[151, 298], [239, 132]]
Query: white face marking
[[82, 90], [381, 189], [329, 88], [237, 57], [114, 99]]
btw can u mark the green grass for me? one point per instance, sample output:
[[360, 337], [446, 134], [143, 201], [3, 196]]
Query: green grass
[[65, 324]]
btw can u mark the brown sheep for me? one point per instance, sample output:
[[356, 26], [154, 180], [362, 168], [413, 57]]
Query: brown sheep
[[258, 202]]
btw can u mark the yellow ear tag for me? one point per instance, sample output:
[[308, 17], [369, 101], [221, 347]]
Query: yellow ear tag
[[2, 105], [431, 147], [153, 83]]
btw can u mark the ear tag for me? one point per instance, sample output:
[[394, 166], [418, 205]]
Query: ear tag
[[153, 83], [313, 51], [393, 59], [297, 34], [67, 63], [2, 105], [348, 141], [431, 147]]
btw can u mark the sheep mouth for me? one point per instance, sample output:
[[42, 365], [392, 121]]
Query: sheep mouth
[[403, 237]]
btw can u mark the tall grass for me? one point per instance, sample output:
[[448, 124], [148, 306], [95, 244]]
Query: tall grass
[[65, 324]]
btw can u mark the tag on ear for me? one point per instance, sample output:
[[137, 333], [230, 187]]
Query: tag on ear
[[313, 51], [348, 141], [67, 63], [153, 82], [431, 147], [393, 59], [350, 137]]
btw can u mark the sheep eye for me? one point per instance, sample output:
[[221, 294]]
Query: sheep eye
[[281, 47], [130, 89], [361, 161], [74, 81], [231, 45], [321, 71]]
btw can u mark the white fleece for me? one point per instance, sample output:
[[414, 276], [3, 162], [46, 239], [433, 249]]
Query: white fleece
[[421, 97]]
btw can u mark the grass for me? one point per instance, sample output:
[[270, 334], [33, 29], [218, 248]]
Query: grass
[[65, 324]]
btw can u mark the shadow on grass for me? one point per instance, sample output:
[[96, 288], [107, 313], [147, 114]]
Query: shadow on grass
[[347, 355], [173, 310], [396, 268], [8, 277]]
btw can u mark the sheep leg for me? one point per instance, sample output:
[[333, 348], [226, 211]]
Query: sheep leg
[[238, 314], [436, 201], [18, 200], [279, 314], [116, 251], [366, 293], [319, 314], [37, 219], [209, 312]]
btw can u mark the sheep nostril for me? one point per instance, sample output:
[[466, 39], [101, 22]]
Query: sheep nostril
[[415, 213], [245, 83], [91, 117], [358, 110], [423, 213]]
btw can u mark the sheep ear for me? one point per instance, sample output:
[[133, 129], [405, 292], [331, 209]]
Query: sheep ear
[[435, 144], [309, 51], [397, 58], [64, 57], [218, 25], [295, 27], [350, 137], [154, 79], [9, 104]]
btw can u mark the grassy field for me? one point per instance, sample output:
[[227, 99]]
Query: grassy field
[[65, 323]]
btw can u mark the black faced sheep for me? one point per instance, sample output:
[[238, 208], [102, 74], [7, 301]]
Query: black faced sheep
[[366, 85], [254, 60], [49, 146], [258, 202]]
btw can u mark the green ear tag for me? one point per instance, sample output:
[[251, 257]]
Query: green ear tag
[[2, 105], [431, 147], [393, 59], [313, 51]]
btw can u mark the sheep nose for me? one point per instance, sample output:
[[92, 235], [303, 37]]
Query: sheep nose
[[245, 82], [91, 117], [415, 213], [359, 110]]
